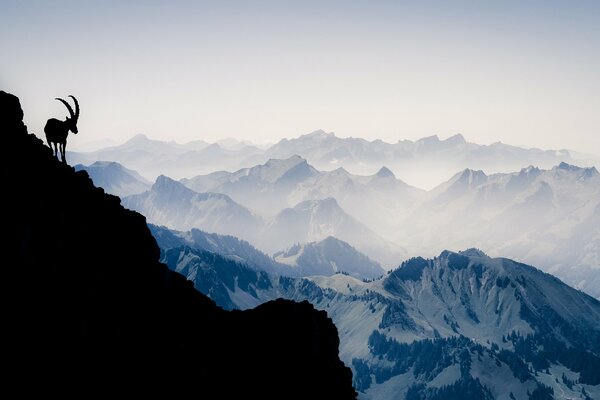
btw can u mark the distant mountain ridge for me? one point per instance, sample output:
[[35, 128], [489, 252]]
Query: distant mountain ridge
[[170, 203], [424, 162], [114, 178]]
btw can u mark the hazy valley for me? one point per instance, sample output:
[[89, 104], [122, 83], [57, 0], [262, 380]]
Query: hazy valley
[[543, 217]]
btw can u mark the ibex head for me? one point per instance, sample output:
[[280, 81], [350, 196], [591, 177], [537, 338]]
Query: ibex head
[[72, 121]]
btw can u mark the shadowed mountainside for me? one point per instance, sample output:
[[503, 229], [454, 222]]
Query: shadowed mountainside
[[89, 308]]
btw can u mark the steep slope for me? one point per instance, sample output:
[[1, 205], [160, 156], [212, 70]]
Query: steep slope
[[328, 257], [115, 178], [231, 283], [316, 220], [170, 203], [90, 308], [459, 326]]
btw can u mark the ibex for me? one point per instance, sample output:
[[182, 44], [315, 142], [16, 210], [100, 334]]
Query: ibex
[[57, 131]]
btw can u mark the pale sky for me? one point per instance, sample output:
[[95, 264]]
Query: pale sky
[[520, 72]]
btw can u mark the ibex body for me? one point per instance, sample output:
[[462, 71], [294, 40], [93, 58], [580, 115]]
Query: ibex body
[[57, 130]]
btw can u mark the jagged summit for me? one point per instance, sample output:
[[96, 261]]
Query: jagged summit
[[456, 139], [165, 183], [473, 252], [581, 172], [568, 167]]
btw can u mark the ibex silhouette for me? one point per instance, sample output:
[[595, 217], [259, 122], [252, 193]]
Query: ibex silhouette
[[57, 130]]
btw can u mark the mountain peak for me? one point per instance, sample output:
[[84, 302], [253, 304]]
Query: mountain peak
[[139, 138], [165, 184], [320, 132], [473, 252], [568, 167], [105, 164], [276, 168], [473, 172], [529, 170], [456, 139], [340, 171], [292, 160], [471, 177], [429, 139], [384, 172], [581, 172]]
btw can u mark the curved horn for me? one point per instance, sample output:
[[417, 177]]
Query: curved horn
[[68, 107], [76, 107]]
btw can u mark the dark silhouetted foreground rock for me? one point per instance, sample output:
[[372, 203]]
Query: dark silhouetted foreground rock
[[88, 308]]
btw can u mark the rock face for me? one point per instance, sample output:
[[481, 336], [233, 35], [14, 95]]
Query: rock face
[[89, 308]]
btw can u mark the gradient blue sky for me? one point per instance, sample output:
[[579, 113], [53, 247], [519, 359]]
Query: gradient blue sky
[[520, 72]]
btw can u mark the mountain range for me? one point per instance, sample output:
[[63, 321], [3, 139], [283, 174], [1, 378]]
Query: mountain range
[[549, 218], [172, 204], [424, 163], [546, 217], [458, 326], [88, 289]]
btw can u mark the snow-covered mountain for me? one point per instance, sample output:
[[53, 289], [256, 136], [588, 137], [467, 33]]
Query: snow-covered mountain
[[458, 326], [328, 257], [172, 204], [115, 178], [315, 220], [549, 218]]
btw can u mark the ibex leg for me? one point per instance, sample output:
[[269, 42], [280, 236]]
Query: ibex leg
[[62, 152]]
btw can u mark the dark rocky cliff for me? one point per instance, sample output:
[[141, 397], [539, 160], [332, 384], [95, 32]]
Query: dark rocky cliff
[[88, 308]]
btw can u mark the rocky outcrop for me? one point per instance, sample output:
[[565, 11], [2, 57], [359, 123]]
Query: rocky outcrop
[[89, 309]]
